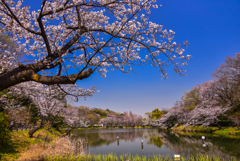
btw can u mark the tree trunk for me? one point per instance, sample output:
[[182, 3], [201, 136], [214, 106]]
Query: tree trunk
[[220, 127], [31, 132], [238, 126]]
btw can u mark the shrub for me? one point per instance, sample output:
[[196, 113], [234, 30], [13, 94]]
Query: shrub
[[4, 131], [237, 133]]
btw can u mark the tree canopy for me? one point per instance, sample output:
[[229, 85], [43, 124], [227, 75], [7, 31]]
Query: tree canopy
[[68, 40]]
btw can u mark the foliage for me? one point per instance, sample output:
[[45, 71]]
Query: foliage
[[20, 142], [4, 132], [156, 114], [191, 99], [100, 112], [228, 131], [93, 118], [153, 117]]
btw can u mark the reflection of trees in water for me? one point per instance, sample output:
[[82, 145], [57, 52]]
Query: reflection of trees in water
[[156, 140], [126, 135], [184, 145], [102, 138], [190, 145], [93, 139]]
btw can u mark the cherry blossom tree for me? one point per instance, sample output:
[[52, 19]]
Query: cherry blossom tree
[[105, 121], [126, 119], [138, 120], [49, 101], [72, 120], [205, 103], [84, 37], [9, 57], [116, 119], [236, 119], [228, 81], [205, 113]]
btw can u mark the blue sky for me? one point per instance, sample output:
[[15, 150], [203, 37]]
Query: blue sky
[[212, 28]]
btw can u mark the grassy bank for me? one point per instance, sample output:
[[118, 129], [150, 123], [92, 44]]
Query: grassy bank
[[225, 131], [22, 147], [129, 157], [228, 132]]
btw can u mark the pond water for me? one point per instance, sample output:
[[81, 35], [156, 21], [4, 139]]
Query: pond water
[[156, 141]]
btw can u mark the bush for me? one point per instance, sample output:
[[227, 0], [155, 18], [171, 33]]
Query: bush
[[237, 133], [4, 131]]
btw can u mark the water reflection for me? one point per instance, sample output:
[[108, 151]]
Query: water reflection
[[156, 141]]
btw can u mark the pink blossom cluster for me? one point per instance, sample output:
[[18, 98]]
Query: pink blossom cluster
[[99, 40]]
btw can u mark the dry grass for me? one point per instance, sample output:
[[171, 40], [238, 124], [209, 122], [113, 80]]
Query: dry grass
[[33, 153], [60, 147], [64, 146]]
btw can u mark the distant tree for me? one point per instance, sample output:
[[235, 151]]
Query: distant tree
[[228, 81], [101, 112], [93, 118], [138, 120], [192, 98], [151, 118], [156, 114]]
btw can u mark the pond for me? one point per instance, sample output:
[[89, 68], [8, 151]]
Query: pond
[[156, 141]]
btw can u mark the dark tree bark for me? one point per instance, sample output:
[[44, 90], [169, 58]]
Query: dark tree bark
[[26, 73], [31, 132]]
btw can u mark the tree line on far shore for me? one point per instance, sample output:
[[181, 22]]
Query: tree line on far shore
[[213, 103]]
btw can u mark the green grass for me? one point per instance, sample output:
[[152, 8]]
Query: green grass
[[224, 132], [228, 132], [195, 128], [129, 157]]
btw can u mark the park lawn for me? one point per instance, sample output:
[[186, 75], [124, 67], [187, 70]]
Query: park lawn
[[22, 147]]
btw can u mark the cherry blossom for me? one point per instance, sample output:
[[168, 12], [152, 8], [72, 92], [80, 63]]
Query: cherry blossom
[[68, 41]]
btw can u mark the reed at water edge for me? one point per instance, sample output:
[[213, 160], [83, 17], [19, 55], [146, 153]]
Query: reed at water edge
[[129, 157]]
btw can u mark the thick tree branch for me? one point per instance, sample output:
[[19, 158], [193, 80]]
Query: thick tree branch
[[70, 79], [19, 75]]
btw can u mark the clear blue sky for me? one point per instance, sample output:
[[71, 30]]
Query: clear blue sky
[[213, 29]]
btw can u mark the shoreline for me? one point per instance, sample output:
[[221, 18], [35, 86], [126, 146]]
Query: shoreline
[[27, 148]]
